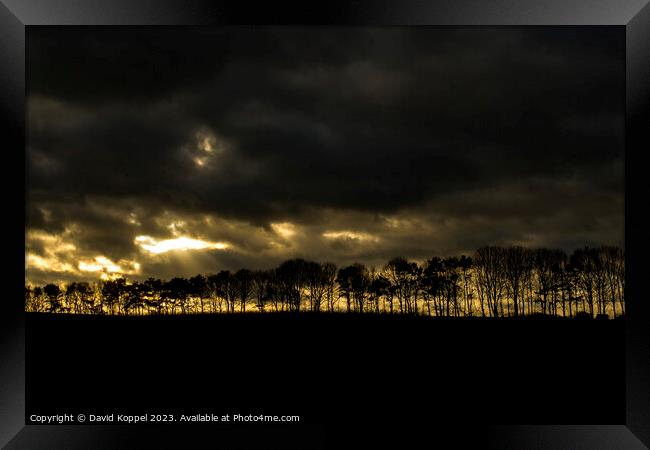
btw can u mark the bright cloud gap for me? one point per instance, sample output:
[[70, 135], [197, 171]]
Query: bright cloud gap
[[109, 269], [155, 246], [284, 229]]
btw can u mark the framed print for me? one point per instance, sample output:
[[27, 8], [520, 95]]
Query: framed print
[[265, 226]]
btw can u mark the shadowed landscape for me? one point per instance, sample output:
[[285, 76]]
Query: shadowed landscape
[[336, 370]]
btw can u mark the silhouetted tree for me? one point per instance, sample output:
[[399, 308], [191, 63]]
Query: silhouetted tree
[[431, 284], [226, 288], [359, 283], [177, 291], [71, 298], [377, 289], [344, 280], [261, 283], [31, 300], [465, 266], [515, 270], [134, 298], [37, 299], [450, 284], [316, 283], [292, 281], [244, 283], [329, 278], [613, 260], [112, 291], [215, 293], [583, 261], [403, 276], [275, 291], [490, 277], [199, 289], [505, 281], [53, 293], [380, 287], [152, 294]]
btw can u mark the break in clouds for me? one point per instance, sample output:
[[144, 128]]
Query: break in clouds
[[170, 152]]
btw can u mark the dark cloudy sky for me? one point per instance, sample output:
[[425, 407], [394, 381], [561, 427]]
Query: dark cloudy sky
[[173, 151]]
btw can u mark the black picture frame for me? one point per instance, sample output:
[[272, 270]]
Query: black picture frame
[[634, 15]]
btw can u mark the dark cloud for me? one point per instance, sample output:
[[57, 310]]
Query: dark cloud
[[493, 135]]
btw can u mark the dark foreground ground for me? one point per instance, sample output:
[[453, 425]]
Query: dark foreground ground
[[332, 370]]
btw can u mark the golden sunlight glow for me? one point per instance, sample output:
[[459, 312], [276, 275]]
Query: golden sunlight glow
[[284, 229], [53, 243], [58, 255], [105, 265], [350, 235], [181, 243], [55, 252], [49, 263], [110, 276]]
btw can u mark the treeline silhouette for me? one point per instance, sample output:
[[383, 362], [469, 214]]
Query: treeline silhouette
[[494, 282]]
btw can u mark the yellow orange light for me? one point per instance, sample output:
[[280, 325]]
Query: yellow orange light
[[180, 243]]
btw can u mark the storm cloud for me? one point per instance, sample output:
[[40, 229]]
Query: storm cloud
[[338, 144]]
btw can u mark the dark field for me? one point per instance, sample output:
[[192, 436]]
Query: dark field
[[336, 370]]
